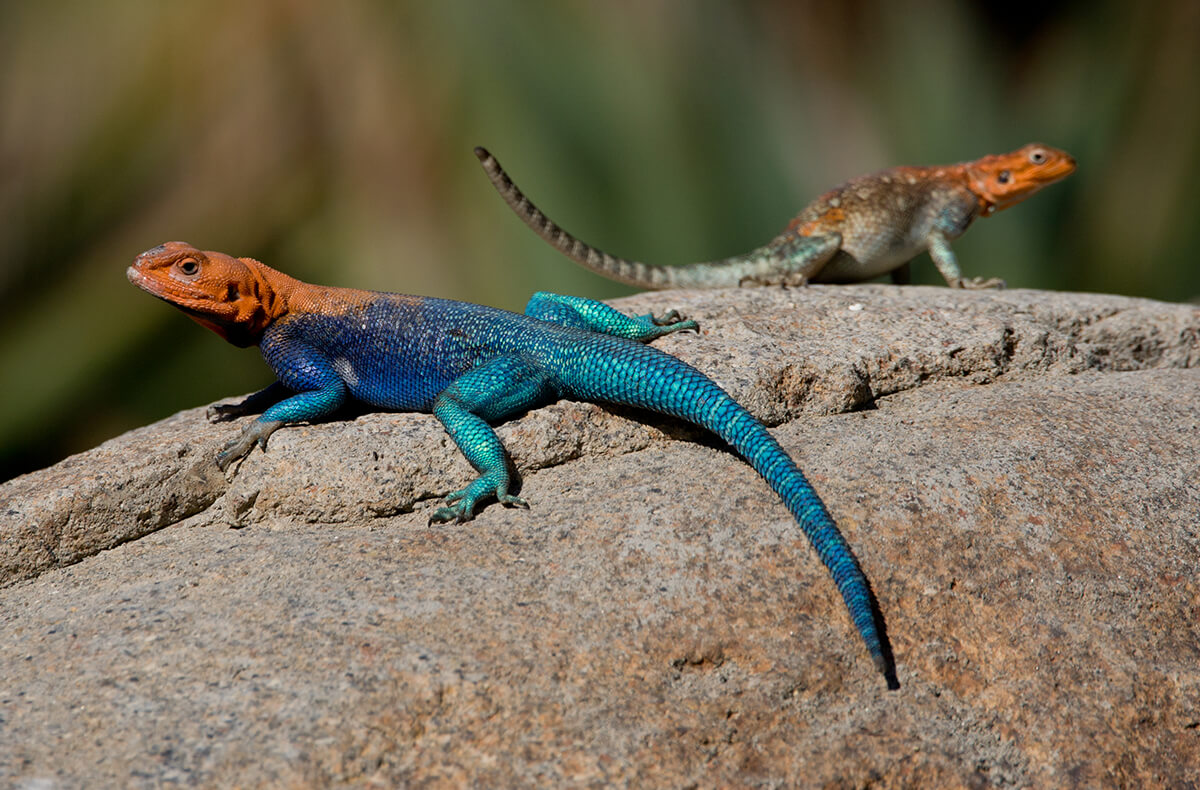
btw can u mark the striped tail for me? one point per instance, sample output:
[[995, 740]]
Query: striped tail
[[726, 273]]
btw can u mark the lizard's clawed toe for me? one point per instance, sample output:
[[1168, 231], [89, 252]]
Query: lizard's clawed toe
[[456, 514], [508, 500]]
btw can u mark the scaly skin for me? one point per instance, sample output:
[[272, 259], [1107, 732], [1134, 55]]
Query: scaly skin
[[868, 226], [469, 366]]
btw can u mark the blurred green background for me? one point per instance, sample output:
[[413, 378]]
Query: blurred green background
[[333, 141]]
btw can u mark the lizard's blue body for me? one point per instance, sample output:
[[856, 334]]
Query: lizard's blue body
[[472, 365]]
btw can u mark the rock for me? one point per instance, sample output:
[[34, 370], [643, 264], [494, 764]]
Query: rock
[[123, 490], [1016, 471]]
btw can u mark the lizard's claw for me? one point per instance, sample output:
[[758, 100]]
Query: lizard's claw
[[458, 509], [672, 321], [236, 449], [976, 283], [460, 505], [508, 500], [221, 412], [670, 317], [784, 280], [681, 326], [668, 322], [256, 433], [446, 515]]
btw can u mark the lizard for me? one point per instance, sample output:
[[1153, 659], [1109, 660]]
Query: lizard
[[866, 227], [472, 366]]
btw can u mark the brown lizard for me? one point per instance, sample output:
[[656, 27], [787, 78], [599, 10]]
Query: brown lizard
[[866, 227]]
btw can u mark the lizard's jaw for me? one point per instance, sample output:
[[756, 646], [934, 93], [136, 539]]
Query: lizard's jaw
[[217, 316], [136, 277]]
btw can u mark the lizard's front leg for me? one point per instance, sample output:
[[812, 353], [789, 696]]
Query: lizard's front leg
[[496, 389], [301, 407], [252, 404], [947, 264]]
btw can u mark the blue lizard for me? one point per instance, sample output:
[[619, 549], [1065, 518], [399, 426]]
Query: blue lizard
[[470, 366]]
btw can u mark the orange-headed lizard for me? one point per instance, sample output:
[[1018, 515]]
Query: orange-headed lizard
[[866, 227], [472, 366]]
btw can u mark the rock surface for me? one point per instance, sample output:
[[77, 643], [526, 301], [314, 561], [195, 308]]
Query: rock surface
[[1017, 472]]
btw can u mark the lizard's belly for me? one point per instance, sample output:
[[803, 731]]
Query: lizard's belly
[[863, 259]]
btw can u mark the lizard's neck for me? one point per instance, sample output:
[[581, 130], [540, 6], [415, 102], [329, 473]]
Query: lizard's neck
[[272, 290], [975, 179], [256, 300], [278, 295]]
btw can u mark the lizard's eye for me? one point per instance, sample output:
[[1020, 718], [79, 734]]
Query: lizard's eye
[[1037, 156], [189, 267], [1003, 176]]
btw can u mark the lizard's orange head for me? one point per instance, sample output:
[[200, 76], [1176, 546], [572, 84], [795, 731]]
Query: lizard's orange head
[[231, 296], [1003, 180]]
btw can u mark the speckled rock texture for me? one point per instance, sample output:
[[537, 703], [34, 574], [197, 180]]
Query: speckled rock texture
[[1018, 472]]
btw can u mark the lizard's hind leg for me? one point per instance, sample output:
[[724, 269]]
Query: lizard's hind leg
[[496, 389], [598, 317]]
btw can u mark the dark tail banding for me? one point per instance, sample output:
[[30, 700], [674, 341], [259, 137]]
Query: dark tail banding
[[729, 272]]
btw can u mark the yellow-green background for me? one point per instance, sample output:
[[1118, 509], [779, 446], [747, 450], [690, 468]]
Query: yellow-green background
[[333, 140]]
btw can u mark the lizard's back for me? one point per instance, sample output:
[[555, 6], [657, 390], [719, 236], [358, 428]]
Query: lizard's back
[[396, 351], [884, 219], [393, 351]]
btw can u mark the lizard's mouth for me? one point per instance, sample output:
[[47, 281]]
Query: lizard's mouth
[[135, 276], [200, 308], [151, 285], [1061, 169]]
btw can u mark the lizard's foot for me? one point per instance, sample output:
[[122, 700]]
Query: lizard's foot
[[463, 510], [977, 283], [785, 280], [665, 324], [256, 433], [459, 513], [460, 505], [222, 412], [666, 319]]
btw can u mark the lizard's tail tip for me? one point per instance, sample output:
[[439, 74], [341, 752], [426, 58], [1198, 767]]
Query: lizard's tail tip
[[888, 670], [481, 153]]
